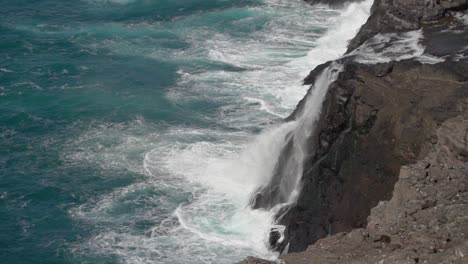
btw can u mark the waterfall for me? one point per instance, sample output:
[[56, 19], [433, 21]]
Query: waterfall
[[285, 183]]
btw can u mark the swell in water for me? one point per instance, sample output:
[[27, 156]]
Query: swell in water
[[192, 205]]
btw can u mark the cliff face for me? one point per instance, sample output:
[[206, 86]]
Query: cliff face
[[375, 119], [424, 222], [401, 122]]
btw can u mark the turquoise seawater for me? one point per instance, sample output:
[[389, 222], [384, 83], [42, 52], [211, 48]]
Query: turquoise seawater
[[126, 126]]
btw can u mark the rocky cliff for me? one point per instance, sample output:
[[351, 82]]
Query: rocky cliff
[[425, 221], [394, 127]]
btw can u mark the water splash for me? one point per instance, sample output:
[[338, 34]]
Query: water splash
[[285, 184]]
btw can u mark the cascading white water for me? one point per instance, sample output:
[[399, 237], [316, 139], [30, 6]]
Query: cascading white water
[[306, 125], [254, 165], [284, 186], [285, 183]]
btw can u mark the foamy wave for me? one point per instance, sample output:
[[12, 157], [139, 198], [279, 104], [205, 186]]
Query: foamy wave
[[6, 70], [273, 62], [334, 43], [463, 18]]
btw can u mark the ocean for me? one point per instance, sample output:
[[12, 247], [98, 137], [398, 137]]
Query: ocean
[[135, 131]]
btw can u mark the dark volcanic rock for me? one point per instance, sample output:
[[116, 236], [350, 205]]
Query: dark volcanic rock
[[424, 222], [402, 123], [374, 121]]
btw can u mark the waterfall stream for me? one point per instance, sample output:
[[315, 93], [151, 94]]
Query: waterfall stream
[[285, 183]]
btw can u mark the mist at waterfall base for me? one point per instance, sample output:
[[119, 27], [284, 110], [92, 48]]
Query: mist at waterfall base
[[136, 131]]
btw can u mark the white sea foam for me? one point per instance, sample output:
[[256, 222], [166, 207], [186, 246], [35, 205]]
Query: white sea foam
[[237, 176], [277, 59], [463, 18], [27, 84], [461, 56], [214, 217], [334, 44], [394, 47], [6, 70]]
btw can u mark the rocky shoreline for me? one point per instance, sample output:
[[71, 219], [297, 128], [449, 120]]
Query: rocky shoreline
[[386, 177]]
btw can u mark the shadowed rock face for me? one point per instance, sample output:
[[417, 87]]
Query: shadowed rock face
[[425, 221], [375, 119]]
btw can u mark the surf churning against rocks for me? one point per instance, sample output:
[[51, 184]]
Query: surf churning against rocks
[[160, 119], [199, 181]]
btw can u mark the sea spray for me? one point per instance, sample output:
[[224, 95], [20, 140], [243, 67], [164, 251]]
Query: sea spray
[[284, 185], [285, 189], [307, 120]]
